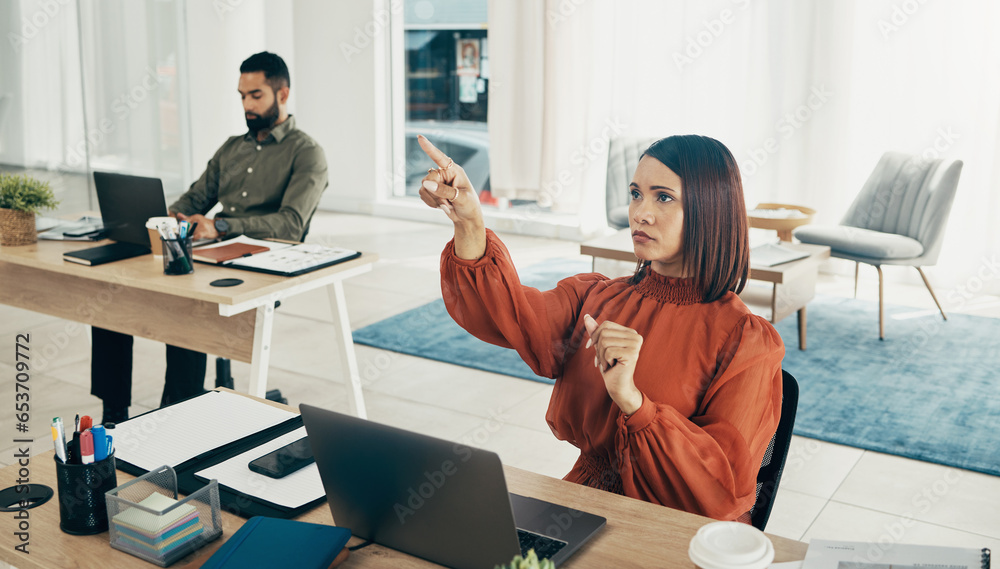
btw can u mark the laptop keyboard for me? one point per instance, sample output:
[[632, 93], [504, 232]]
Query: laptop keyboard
[[545, 547]]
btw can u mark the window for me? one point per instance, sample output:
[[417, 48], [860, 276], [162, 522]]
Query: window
[[446, 82]]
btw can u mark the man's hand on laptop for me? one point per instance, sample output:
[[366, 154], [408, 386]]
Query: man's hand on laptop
[[205, 229]]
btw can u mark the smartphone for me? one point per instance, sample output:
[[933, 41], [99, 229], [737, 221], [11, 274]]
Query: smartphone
[[285, 460]]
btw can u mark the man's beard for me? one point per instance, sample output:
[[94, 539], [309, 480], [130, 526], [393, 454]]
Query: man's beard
[[263, 122]]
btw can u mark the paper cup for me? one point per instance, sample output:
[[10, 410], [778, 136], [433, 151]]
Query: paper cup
[[152, 225], [730, 545]]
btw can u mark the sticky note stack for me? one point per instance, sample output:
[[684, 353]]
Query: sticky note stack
[[157, 535]]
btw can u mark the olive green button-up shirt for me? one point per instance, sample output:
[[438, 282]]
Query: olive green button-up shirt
[[267, 189]]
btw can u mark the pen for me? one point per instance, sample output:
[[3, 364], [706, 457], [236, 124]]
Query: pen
[[76, 423], [59, 439], [73, 449], [85, 423], [86, 447], [100, 442], [193, 227]]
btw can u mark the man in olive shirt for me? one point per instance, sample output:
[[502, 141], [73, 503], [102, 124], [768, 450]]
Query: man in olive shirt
[[268, 182]]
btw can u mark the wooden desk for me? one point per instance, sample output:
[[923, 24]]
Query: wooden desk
[[133, 296], [793, 284], [644, 534]]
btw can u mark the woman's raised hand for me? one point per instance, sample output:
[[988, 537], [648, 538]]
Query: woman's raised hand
[[448, 188]]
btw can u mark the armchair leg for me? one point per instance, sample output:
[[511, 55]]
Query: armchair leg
[[856, 266], [931, 290], [881, 305]]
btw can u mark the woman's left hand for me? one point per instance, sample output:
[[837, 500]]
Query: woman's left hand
[[617, 349]]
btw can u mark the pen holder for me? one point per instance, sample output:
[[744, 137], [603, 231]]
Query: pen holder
[[149, 521], [81, 488], [177, 258]]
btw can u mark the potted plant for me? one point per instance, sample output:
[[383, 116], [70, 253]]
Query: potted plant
[[529, 562], [21, 197]]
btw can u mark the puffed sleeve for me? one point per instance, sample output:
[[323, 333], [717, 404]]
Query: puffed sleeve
[[708, 464], [486, 298]]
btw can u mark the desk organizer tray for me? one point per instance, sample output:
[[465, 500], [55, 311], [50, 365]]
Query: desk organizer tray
[[149, 521]]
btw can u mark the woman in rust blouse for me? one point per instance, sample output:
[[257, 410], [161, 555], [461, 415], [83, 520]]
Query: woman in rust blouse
[[665, 381]]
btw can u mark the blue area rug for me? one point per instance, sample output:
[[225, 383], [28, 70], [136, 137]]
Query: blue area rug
[[407, 332], [930, 391]]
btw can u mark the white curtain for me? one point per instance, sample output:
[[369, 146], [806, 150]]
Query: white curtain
[[806, 94], [40, 85]]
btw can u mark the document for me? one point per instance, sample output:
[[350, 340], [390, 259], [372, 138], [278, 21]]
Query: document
[[296, 489], [294, 260], [825, 554], [182, 431], [769, 255]]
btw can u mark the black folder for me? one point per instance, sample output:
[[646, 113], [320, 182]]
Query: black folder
[[232, 501]]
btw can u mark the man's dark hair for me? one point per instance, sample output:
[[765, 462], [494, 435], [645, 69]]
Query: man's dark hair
[[274, 68]]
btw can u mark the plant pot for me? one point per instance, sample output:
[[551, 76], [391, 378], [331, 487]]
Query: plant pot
[[17, 227]]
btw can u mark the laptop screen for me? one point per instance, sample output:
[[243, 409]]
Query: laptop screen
[[126, 203]]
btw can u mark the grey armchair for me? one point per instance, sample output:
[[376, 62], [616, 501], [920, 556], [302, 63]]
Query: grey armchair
[[898, 219], [623, 157]]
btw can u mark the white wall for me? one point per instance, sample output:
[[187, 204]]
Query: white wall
[[219, 39], [338, 101]]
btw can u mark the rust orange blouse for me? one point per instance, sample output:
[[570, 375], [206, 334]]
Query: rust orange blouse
[[710, 375]]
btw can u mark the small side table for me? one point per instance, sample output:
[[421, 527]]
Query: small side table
[[782, 225]]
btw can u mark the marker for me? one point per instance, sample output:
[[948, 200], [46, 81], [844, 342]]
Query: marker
[[111, 445], [76, 423], [100, 442], [86, 447], [85, 423], [59, 439]]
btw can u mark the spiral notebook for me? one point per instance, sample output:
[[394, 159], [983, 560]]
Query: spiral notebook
[[825, 554]]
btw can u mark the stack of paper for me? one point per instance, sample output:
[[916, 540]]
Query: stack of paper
[[157, 535]]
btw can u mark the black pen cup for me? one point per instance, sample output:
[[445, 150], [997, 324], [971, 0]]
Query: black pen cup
[[81, 488], [177, 259]]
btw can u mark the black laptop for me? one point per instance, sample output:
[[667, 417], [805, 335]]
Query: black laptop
[[126, 203], [442, 501]]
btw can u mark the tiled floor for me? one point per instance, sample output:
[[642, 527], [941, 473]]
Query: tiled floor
[[829, 491]]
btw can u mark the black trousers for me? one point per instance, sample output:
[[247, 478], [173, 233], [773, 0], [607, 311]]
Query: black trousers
[[111, 370]]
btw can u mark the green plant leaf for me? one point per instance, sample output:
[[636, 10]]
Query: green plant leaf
[[25, 193]]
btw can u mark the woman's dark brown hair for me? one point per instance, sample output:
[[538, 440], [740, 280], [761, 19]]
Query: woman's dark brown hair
[[716, 248]]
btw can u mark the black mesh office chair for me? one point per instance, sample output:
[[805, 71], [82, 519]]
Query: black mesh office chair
[[774, 459]]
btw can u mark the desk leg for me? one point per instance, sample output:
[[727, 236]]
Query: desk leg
[[345, 344], [802, 328], [261, 350]]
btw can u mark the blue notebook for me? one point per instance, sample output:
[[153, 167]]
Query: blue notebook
[[273, 542]]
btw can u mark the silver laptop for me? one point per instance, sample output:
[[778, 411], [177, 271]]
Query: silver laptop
[[442, 501]]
